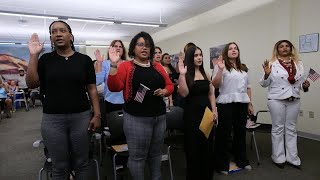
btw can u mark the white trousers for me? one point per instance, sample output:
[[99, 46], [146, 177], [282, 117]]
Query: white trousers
[[284, 115]]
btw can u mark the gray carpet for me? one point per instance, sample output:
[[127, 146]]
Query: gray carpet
[[20, 161]]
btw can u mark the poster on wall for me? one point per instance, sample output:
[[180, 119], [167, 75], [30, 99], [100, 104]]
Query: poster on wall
[[174, 59], [309, 43], [215, 52], [14, 57]]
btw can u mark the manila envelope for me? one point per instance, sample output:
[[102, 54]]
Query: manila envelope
[[207, 122]]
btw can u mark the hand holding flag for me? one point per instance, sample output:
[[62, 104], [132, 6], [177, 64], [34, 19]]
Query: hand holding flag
[[142, 90], [313, 75]]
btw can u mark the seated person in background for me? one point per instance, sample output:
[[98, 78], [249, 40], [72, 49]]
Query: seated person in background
[[35, 94], [5, 102], [12, 86]]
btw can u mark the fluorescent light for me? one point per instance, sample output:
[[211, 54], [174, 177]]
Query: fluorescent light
[[140, 24], [7, 43], [90, 20], [96, 45], [28, 15]]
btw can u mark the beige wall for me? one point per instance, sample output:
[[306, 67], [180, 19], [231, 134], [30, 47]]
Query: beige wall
[[256, 32]]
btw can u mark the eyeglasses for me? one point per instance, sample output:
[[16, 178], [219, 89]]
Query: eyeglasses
[[141, 45]]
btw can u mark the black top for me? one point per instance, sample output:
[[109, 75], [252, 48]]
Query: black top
[[151, 105], [63, 82], [196, 103]]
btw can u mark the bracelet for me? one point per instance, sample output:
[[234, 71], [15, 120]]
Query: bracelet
[[97, 115], [113, 66]]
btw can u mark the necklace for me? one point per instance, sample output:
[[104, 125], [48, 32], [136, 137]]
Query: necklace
[[141, 64], [66, 57]]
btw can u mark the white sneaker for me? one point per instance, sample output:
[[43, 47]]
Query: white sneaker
[[248, 167]]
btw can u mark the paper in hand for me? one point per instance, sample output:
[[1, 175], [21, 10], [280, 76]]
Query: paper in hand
[[207, 122]]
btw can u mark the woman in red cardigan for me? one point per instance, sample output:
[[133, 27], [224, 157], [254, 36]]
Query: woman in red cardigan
[[144, 84]]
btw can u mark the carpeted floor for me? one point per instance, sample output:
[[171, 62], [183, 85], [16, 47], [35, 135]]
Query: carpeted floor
[[20, 161]]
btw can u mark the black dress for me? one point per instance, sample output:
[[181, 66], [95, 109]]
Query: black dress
[[198, 149]]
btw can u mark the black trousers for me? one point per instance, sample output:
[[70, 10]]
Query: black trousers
[[232, 116]]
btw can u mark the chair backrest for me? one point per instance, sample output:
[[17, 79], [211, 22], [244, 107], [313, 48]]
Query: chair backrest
[[260, 115], [115, 123], [175, 118]]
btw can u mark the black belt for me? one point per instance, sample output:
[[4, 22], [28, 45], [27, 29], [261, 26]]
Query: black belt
[[288, 99]]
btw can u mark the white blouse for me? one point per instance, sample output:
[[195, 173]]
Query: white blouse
[[233, 87]]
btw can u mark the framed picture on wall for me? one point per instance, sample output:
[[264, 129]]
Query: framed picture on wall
[[309, 43], [215, 52]]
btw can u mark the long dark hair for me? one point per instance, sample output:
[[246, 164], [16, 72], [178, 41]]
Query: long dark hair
[[148, 40], [124, 54], [227, 59], [189, 62], [169, 65], [70, 31]]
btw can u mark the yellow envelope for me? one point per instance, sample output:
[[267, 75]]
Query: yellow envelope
[[207, 122]]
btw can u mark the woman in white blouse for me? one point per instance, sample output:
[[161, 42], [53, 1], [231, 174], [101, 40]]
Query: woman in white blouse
[[284, 77], [234, 105]]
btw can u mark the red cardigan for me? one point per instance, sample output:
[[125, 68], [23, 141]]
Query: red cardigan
[[123, 79]]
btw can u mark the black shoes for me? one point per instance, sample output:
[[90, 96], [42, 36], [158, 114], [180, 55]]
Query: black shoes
[[279, 165], [295, 166]]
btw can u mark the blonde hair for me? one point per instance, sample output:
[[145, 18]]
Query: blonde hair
[[293, 51]]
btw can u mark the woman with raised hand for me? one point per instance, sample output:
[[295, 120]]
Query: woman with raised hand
[[234, 105], [113, 100], [144, 84], [65, 77], [284, 77], [195, 86]]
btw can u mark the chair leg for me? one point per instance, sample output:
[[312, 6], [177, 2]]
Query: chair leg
[[97, 169], [26, 104], [100, 150], [170, 165], [114, 166], [40, 174], [251, 139], [255, 145]]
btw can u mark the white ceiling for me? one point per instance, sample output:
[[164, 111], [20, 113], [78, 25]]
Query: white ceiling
[[19, 29]]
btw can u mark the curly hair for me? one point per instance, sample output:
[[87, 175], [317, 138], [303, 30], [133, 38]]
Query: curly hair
[[148, 40]]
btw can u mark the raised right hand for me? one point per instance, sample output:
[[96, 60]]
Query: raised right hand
[[114, 56], [266, 68], [98, 56], [220, 63], [34, 45], [182, 68]]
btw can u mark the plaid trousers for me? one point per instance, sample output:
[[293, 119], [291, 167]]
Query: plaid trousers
[[145, 136]]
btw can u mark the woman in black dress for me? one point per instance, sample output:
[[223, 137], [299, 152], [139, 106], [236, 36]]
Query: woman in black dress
[[195, 86]]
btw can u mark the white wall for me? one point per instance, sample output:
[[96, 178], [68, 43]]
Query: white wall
[[256, 32], [305, 16]]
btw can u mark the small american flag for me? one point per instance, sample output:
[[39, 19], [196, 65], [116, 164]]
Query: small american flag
[[142, 90], [313, 75]]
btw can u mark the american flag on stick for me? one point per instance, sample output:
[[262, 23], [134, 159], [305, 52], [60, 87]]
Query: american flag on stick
[[313, 75], [142, 90]]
